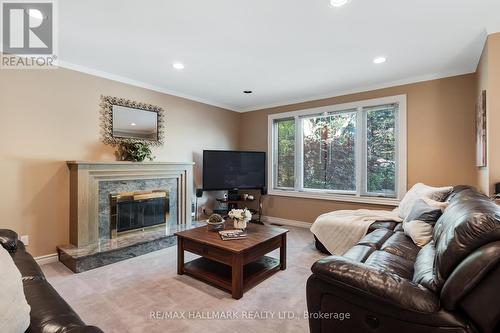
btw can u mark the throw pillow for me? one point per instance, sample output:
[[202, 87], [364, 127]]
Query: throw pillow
[[438, 204], [420, 221], [420, 232], [14, 310], [420, 191], [422, 211]]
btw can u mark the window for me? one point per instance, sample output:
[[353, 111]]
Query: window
[[349, 152]]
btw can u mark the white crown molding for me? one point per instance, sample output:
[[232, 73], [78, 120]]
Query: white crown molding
[[379, 86], [140, 84], [384, 85], [47, 259], [281, 221]]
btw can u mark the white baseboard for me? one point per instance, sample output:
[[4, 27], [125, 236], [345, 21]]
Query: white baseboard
[[47, 259], [292, 223]]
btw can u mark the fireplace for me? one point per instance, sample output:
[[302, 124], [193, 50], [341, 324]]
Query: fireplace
[[108, 199], [91, 184], [132, 211]]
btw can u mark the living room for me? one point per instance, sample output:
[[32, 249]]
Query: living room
[[350, 149]]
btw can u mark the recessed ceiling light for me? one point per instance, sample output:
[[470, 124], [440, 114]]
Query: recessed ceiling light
[[133, 124], [338, 3], [379, 60], [247, 91], [178, 65]]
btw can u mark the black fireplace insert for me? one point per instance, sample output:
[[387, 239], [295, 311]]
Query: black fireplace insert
[[138, 210]]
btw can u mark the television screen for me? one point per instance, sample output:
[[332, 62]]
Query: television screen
[[227, 170]]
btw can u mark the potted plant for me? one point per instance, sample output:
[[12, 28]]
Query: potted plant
[[134, 151], [240, 218], [215, 222]]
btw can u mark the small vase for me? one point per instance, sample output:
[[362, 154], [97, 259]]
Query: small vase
[[242, 225]]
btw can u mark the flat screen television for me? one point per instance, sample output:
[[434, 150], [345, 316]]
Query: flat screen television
[[230, 170]]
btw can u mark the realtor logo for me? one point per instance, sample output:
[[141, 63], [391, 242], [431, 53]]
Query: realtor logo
[[27, 34]]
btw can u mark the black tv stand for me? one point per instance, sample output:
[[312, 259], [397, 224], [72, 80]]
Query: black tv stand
[[233, 194], [234, 200], [243, 203]]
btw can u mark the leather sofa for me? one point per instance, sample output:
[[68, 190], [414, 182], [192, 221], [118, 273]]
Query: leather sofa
[[49, 312], [386, 283]]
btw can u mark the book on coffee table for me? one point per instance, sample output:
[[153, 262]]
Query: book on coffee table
[[232, 234]]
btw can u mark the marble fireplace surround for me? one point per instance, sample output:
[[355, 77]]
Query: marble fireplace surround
[[86, 178]]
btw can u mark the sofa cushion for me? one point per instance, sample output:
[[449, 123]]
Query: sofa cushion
[[14, 309], [455, 199], [424, 267], [470, 221], [359, 253], [383, 225], [376, 238], [399, 244], [391, 263]]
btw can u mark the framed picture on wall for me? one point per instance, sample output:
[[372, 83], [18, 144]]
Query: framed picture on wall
[[481, 130]]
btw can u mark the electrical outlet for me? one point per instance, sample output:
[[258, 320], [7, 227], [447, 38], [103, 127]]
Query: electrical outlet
[[25, 239]]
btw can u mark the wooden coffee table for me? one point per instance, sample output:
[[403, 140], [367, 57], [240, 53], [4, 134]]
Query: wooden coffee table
[[232, 265]]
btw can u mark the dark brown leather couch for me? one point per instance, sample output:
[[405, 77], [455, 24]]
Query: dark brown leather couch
[[49, 312], [388, 284]]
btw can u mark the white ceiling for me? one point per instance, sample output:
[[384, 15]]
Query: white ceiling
[[285, 51]]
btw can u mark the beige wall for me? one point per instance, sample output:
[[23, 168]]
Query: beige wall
[[488, 78], [50, 116], [441, 148]]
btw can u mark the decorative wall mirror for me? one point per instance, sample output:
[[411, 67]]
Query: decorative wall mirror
[[127, 121]]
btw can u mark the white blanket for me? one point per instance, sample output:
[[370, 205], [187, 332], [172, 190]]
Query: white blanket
[[342, 229]]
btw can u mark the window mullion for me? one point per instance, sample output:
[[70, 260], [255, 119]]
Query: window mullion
[[275, 154], [360, 148], [299, 155]]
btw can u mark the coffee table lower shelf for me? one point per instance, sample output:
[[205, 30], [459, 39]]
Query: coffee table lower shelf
[[220, 275]]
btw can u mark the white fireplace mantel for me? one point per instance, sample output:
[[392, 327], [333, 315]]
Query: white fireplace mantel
[[84, 187], [138, 164]]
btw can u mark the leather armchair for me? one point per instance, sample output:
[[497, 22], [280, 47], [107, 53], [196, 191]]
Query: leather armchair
[[388, 284], [49, 312]]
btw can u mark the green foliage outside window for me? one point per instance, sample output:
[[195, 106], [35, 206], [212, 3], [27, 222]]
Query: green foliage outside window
[[329, 151], [381, 151], [286, 153]]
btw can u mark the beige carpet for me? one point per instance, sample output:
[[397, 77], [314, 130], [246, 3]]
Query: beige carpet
[[121, 297]]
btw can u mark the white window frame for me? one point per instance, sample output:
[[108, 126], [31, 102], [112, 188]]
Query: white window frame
[[349, 196]]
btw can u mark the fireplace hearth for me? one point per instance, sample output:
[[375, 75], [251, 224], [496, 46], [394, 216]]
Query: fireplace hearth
[[132, 211]]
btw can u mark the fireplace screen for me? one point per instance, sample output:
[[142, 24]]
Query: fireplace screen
[[138, 210]]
